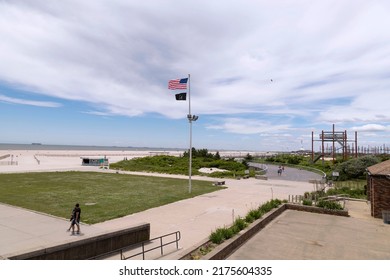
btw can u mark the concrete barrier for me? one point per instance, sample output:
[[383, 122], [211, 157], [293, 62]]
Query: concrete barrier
[[89, 247]]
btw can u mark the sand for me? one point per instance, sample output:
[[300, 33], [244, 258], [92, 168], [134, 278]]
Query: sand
[[59, 160]]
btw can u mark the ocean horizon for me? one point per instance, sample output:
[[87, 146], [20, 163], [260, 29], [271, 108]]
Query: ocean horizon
[[54, 147], [39, 146]]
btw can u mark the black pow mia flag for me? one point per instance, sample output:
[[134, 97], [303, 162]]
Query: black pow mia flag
[[181, 96]]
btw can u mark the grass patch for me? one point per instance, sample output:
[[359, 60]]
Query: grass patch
[[331, 205], [102, 196], [179, 165], [351, 188]]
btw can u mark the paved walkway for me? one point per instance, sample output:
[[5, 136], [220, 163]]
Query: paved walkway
[[297, 235], [23, 230], [291, 174]]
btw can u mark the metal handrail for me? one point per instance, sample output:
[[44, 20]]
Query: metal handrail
[[161, 246]]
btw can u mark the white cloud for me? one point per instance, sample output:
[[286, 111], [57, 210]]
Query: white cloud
[[12, 100], [247, 126], [328, 61], [371, 128]]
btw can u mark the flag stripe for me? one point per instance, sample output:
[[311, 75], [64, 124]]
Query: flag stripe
[[178, 84]]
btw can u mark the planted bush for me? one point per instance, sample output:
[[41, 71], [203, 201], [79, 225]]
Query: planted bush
[[255, 213], [269, 205], [217, 236], [221, 234], [307, 202], [235, 229], [240, 223], [249, 218], [228, 233], [332, 205]]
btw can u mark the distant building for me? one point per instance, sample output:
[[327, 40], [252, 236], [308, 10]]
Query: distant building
[[94, 161], [378, 188]]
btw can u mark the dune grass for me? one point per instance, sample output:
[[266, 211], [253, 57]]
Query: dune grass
[[102, 196]]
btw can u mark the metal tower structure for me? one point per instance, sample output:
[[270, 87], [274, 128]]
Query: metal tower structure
[[339, 141]]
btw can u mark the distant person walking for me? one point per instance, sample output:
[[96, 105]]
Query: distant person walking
[[75, 219], [280, 170]]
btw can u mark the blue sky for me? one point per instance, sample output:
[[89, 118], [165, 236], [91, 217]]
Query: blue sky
[[264, 74]]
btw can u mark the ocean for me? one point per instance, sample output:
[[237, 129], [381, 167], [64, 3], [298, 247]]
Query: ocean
[[38, 146]]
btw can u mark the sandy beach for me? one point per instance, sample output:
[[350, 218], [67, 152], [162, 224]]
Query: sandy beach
[[59, 160]]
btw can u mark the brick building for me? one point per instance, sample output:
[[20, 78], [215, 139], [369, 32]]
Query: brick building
[[378, 188]]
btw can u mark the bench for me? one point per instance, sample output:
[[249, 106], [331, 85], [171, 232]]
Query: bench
[[261, 177], [219, 183]]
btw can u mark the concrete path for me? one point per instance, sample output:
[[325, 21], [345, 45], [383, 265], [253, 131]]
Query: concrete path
[[296, 235], [291, 174]]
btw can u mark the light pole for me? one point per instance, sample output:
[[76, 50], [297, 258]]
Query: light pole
[[191, 118]]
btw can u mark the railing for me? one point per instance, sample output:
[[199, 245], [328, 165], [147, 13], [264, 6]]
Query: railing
[[141, 245], [161, 246]]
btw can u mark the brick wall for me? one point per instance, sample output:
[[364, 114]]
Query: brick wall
[[379, 195]]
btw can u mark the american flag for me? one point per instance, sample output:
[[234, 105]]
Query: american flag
[[178, 84]]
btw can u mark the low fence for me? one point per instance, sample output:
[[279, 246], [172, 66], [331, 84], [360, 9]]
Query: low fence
[[295, 198], [8, 162]]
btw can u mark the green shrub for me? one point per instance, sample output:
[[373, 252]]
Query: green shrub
[[332, 205], [249, 218], [355, 168], [228, 233], [235, 229], [307, 202], [221, 234], [255, 213], [240, 223], [217, 236], [353, 189], [179, 165], [269, 205]]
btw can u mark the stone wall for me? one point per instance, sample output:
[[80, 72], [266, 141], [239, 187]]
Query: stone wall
[[90, 247]]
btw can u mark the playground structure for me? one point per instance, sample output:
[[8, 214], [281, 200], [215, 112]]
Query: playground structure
[[339, 144]]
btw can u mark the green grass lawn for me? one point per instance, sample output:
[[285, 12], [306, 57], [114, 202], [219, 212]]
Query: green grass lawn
[[102, 196]]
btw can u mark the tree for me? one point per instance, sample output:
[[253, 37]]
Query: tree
[[355, 168]]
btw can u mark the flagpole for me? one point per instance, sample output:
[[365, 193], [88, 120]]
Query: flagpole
[[190, 123]]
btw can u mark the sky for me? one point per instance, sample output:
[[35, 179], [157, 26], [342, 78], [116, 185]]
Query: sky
[[264, 74]]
